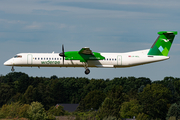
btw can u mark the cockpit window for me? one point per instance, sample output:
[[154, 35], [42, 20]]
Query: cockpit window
[[18, 56]]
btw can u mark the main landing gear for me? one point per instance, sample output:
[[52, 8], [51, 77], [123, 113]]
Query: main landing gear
[[87, 71], [12, 69]]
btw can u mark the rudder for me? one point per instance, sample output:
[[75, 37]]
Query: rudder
[[163, 43]]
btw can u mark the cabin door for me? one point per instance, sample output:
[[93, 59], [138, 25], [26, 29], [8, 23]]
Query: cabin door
[[119, 60], [29, 59]]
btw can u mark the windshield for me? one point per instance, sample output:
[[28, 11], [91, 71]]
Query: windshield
[[18, 56]]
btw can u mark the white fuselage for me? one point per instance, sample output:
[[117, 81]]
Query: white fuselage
[[112, 60]]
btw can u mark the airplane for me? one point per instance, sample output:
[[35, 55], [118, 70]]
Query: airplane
[[86, 58]]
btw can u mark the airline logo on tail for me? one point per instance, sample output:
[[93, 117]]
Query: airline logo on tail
[[166, 40], [162, 45]]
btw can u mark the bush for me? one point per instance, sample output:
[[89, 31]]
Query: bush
[[37, 112], [174, 111], [23, 111], [172, 118], [90, 115], [111, 118], [142, 116], [59, 111], [14, 110]]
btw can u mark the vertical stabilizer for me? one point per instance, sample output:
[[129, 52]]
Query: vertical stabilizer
[[163, 43]]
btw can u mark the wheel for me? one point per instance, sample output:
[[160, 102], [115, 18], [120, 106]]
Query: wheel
[[12, 69], [87, 71]]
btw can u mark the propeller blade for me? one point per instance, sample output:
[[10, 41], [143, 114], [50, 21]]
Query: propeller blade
[[63, 60], [63, 49], [62, 54]]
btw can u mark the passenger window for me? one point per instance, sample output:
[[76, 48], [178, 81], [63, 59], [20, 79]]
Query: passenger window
[[54, 58], [112, 59], [46, 58], [115, 59], [38, 58], [41, 58], [35, 58], [49, 58], [109, 58], [57, 58]]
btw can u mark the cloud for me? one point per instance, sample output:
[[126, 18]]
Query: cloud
[[48, 12], [12, 21], [108, 26], [177, 44], [138, 6], [62, 26], [34, 25]]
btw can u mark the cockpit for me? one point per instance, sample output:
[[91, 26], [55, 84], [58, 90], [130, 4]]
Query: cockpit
[[18, 56]]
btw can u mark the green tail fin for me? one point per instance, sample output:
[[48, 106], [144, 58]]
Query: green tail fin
[[163, 43]]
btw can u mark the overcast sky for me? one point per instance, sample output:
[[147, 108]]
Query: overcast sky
[[42, 26]]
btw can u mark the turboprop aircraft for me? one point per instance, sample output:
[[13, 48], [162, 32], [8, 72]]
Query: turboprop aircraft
[[86, 58]]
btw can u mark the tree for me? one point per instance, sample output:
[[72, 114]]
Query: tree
[[118, 97], [154, 100], [112, 104], [141, 88], [13, 77], [47, 98], [6, 92], [94, 84], [28, 95], [58, 91], [54, 77], [106, 109], [45, 95], [94, 99], [23, 83], [130, 109]]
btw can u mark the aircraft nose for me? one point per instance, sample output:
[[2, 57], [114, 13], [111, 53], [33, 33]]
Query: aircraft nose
[[8, 63]]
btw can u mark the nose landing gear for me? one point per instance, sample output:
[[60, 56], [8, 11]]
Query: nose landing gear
[[12, 69]]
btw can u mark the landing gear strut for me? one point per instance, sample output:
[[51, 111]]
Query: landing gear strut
[[12, 69], [87, 71]]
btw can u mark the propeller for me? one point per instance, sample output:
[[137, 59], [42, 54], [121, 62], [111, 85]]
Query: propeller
[[62, 54]]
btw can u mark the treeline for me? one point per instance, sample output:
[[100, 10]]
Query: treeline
[[122, 97]]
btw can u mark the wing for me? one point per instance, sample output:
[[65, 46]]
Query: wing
[[86, 51], [87, 54], [83, 55]]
